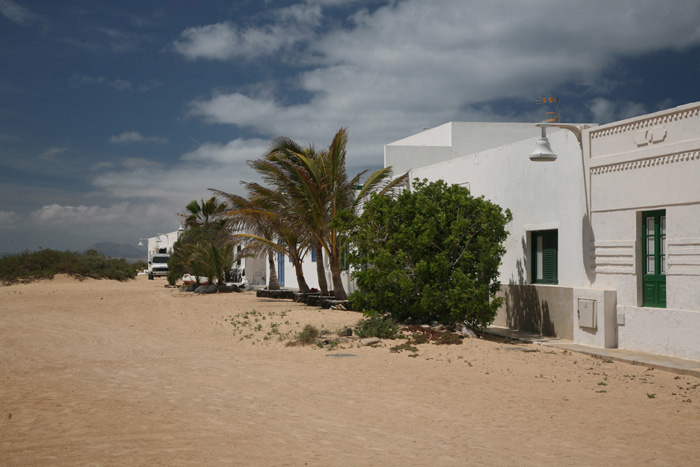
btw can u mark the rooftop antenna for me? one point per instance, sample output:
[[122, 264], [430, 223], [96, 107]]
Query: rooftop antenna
[[549, 100]]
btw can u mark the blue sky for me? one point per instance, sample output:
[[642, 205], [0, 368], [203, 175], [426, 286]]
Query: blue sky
[[113, 115]]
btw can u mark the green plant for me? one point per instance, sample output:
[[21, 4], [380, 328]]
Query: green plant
[[432, 254], [45, 263], [448, 338], [377, 326], [308, 335], [213, 261], [401, 347], [420, 338], [422, 335], [314, 192]]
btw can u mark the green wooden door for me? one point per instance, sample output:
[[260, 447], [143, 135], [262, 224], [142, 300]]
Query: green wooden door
[[654, 258]]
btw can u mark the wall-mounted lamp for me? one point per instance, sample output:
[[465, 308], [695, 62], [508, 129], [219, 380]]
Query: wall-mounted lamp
[[543, 151], [141, 241]]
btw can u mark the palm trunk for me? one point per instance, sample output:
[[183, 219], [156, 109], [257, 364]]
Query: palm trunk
[[321, 270], [303, 286], [338, 289], [301, 281], [273, 283]]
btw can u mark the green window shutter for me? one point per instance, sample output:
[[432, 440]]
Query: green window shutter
[[549, 257], [545, 246]]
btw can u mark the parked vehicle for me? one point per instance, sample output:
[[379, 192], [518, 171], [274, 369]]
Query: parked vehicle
[[158, 265]]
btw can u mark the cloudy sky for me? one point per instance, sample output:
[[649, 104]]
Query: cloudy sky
[[115, 114]]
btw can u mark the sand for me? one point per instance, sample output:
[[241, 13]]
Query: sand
[[108, 373]]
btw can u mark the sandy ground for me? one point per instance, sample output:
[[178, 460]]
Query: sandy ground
[[108, 373]]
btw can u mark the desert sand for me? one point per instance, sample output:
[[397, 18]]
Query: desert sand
[[108, 373]]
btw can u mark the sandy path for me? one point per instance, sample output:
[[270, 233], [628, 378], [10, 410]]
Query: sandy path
[[105, 373]]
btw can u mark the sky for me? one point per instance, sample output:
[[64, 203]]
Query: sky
[[115, 114]]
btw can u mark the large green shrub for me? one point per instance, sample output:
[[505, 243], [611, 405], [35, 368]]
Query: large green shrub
[[431, 254]]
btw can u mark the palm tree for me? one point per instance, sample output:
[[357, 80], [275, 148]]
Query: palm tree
[[202, 214], [249, 219], [289, 240], [315, 190], [213, 261]]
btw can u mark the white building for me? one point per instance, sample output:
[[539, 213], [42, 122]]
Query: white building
[[163, 243], [252, 269], [286, 274], [604, 246]]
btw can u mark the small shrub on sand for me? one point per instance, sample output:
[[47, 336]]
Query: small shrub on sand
[[421, 335], [405, 346], [377, 326], [307, 336]]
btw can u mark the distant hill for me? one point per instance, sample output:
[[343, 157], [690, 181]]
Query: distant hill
[[115, 250]]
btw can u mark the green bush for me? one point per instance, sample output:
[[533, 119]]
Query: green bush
[[377, 325], [431, 254], [308, 335], [44, 264]]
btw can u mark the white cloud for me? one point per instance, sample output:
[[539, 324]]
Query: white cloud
[[76, 227], [237, 151], [139, 163], [78, 80], [224, 41], [18, 14], [8, 220], [135, 137], [236, 109], [101, 166], [173, 186], [49, 153], [605, 110], [414, 63], [56, 214]]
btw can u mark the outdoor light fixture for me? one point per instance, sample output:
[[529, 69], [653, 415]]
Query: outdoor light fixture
[[141, 241], [543, 151]]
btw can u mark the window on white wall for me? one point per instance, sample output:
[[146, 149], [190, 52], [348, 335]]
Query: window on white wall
[[545, 257], [654, 258]]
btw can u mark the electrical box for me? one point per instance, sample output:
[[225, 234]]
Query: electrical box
[[586, 313]]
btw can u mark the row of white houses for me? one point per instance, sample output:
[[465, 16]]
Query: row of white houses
[[604, 246]]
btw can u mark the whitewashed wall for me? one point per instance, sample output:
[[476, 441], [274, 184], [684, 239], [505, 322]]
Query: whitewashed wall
[[540, 196], [642, 164], [164, 240], [310, 274]]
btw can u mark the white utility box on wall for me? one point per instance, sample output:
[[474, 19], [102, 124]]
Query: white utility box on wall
[[586, 313], [596, 313]]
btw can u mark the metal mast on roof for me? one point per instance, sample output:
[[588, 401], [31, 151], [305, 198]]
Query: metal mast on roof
[[549, 100]]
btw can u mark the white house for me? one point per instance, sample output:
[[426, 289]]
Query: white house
[[604, 246], [163, 243], [253, 269], [286, 274]]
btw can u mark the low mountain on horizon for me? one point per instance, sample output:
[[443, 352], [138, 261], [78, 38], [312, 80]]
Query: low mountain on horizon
[[116, 250]]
